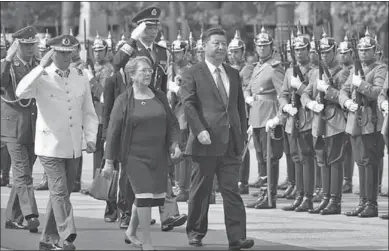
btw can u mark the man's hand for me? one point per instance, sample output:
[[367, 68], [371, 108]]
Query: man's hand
[[107, 171], [315, 106], [249, 100], [204, 138], [272, 123], [12, 50], [351, 106], [322, 86], [176, 153], [136, 33], [357, 80], [90, 147], [47, 59], [295, 82], [290, 109], [250, 130]]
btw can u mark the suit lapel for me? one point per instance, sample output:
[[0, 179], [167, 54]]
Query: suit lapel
[[208, 75], [232, 85]]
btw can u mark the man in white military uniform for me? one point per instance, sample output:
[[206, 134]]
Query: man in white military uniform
[[65, 112]]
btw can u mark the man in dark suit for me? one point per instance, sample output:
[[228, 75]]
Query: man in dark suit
[[215, 110]]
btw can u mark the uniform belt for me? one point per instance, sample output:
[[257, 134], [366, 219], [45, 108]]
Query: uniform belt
[[271, 96]]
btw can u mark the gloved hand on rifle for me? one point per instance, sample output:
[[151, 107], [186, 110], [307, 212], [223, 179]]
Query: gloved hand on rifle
[[249, 100], [322, 86], [295, 82], [315, 106], [357, 80], [385, 106], [272, 123], [350, 105], [290, 109]]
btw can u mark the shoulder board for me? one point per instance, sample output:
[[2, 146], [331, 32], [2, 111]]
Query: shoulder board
[[79, 71], [274, 62]]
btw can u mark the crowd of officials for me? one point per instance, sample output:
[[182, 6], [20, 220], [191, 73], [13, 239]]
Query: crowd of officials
[[171, 122]]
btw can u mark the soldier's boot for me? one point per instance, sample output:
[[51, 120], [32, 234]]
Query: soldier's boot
[[264, 204], [334, 207], [317, 195], [284, 185], [306, 205], [243, 188], [356, 211], [261, 195], [273, 186], [287, 192], [384, 216], [296, 203], [347, 186], [370, 210], [43, 185], [323, 204], [292, 195]]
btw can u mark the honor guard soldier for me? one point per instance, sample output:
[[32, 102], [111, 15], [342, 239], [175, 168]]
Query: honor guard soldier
[[298, 126], [384, 107], [345, 53], [110, 47], [328, 125], [103, 70], [60, 89], [142, 43], [121, 42], [237, 50], [163, 42], [261, 94], [191, 50], [18, 116], [200, 48], [359, 96], [178, 65]]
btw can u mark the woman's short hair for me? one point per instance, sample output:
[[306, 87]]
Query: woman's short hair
[[132, 65]]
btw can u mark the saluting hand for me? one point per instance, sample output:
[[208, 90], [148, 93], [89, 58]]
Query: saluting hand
[[47, 59], [90, 147], [12, 50], [204, 138]]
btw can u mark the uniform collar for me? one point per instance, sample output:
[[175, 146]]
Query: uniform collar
[[24, 62], [146, 47]]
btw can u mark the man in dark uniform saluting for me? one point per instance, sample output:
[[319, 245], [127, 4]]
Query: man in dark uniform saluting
[[18, 117], [142, 43]]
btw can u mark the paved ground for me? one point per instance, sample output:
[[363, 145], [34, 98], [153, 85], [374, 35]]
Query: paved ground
[[271, 229]]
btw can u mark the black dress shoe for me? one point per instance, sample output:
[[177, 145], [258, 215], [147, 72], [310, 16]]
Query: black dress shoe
[[323, 204], [241, 244], [182, 196], [287, 192], [334, 207], [14, 225], [243, 189], [174, 221], [195, 242], [306, 205], [347, 187], [43, 186], [370, 210], [254, 203], [294, 205], [153, 221], [356, 211], [33, 224], [265, 205], [292, 195], [49, 246]]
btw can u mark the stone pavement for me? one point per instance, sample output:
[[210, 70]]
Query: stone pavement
[[271, 229]]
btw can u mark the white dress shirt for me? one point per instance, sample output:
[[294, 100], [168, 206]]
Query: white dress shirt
[[65, 110], [223, 75]]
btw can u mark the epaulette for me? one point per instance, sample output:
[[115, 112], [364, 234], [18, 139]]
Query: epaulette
[[79, 71], [274, 62]]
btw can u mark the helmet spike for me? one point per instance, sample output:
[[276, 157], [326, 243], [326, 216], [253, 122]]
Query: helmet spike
[[367, 34], [70, 32], [324, 33], [109, 35], [263, 29]]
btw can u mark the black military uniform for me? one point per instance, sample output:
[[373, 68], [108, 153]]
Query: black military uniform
[[18, 119], [328, 142], [298, 129], [366, 140]]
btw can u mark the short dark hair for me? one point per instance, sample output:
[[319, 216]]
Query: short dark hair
[[213, 31]]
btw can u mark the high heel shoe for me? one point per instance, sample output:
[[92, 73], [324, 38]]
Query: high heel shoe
[[131, 240]]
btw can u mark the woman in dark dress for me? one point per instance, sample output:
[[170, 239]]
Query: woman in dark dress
[[142, 133]]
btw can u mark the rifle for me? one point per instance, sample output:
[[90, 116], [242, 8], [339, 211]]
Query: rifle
[[56, 28], [359, 99], [268, 168], [295, 99], [89, 61], [321, 123]]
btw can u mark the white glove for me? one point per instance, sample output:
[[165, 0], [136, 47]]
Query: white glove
[[250, 130], [173, 87], [350, 105], [385, 106], [135, 34], [102, 98], [290, 109], [311, 104], [249, 100], [272, 123], [357, 80], [314, 106], [204, 138], [295, 82], [322, 85]]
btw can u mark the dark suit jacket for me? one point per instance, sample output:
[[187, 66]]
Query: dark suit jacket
[[205, 110], [17, 122], [114, 86]]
